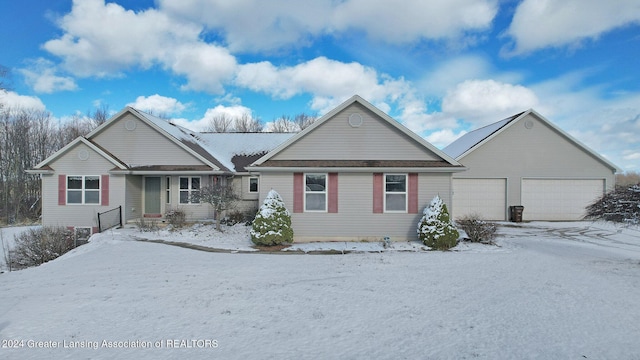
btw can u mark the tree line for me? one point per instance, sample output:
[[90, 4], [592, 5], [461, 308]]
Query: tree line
[[27, 137]]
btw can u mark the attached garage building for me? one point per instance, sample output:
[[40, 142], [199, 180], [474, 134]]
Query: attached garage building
[[526, 160]]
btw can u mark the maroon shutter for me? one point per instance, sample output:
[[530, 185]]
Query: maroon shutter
[[104, 188], [378, 203], [333, 193], [413, 194], [62, 189], [298, 192]]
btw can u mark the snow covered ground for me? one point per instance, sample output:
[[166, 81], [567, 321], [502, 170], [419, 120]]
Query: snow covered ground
[[549, 291]]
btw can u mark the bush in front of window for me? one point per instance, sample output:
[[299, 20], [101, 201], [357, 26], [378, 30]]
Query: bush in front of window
[[40, 245], [272, 225], [435, 229], [176, 218]]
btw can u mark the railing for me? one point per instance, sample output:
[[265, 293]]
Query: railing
[[109, 219]]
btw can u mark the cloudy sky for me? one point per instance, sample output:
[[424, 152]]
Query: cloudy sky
[[440, 67]]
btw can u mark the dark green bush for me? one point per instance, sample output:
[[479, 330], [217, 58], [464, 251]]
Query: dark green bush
[[272, 224], [435, 229]]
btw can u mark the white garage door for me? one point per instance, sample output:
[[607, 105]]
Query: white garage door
[[549, 199], [485, 197]]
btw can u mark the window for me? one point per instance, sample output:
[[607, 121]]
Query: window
[[83, 189], [189, 190], [167, 189], [395, 192], [315, 192], [253, 185]]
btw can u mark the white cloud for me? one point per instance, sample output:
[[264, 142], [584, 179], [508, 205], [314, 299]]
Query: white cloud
[[202, 124], [41, 76], [105, 40], [410, 21], [443, 137], [482, 102], [538, 24], [256, 25], [13, 100], [158, 104]]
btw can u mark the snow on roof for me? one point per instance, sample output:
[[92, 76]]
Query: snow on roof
[[224, 146], [221, 146], [471, 139]]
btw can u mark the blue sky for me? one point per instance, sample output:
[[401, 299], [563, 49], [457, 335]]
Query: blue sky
[[440, 67]]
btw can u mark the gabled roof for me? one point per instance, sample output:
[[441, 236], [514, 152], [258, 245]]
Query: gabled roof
[[475, 139], [218, 150], [447, 160], [44, 168]]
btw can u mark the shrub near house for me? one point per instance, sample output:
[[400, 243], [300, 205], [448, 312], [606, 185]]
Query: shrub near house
[[435, 228], [272, 225]]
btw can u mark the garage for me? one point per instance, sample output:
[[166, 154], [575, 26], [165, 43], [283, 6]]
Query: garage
[[485, 197], [559, 199]]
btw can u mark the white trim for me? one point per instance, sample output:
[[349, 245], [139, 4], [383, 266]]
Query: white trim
[[561, 132], [258, 185], [72, 144], [369, 106], [189, 190], [325, 192], [83, 190], [406, 193]]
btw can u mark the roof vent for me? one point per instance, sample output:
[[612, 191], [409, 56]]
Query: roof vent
[[355, 120]]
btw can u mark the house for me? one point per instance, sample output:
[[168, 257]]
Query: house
[[356, 174], [147, 166], [527, 160]]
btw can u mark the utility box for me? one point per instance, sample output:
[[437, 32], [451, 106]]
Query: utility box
[[516, 213]]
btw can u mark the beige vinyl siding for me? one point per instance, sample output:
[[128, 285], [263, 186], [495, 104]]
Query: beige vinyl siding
[[375, 139], [538, 152], [133, 207], [78, 214], [142, 146], [355, 220]]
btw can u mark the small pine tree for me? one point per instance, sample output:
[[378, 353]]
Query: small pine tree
[[435, 229], [272, 225]]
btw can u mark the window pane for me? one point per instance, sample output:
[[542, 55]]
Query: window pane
[[74, 182], [396, 202], [74, 197], [91, 197], [92, 182], [195, 183], [168, 183], [195, 197], [184, 183], [253, 185], [184, 197], [316, 202], [396, 183], [316, 182]]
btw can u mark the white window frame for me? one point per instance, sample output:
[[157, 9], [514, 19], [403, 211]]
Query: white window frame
[[257, 179], [405, 193], [167, 190], [189, 190], [83, 190], [315, 192]]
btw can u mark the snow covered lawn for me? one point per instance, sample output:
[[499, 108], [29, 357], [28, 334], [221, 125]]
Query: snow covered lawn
[[550, 291]]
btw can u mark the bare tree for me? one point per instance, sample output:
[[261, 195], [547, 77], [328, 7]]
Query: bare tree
[[99, 116], [284, 124], [246, 123], [303, 120], [221, 196], [220, 123]]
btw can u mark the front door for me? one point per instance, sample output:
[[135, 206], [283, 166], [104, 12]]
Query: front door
[[152, 196]]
